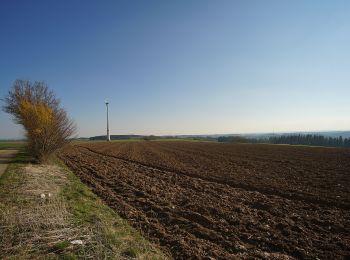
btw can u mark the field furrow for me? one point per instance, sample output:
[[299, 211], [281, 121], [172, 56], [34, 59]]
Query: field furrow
[[196, 214]]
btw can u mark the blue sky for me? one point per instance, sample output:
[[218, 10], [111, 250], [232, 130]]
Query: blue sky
[[183, 67]]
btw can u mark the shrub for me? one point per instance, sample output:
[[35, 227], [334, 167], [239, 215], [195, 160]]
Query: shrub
[[36, 108]]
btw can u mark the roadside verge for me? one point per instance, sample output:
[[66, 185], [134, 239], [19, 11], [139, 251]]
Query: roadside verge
[[47, 212], [5, 158]]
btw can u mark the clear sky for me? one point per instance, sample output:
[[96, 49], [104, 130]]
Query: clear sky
[[183, 67]]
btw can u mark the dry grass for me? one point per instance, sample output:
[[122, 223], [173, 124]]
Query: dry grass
[[43, 228], [30, 224]]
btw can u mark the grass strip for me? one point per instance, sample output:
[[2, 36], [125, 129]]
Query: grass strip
[[70, 222]]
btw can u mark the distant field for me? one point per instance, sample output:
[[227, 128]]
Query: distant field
[[11, 144], [222, 200], [143, 140]]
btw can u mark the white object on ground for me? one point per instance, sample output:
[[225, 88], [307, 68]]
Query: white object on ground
[[76, 242]]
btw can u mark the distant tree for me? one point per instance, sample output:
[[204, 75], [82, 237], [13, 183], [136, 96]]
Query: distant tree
[[36, 108], [347, 142], [238, 139], [149, 138]]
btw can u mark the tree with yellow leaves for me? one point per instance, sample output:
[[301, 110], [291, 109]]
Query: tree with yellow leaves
[[36, 108]]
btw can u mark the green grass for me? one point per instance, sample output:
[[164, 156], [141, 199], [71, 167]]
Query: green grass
[[61, 246], [183, 139], [287, 145], [12, 144], [142, 140], [9, 179], [305, 145], [104, 141], [109, 236], [89, 210]]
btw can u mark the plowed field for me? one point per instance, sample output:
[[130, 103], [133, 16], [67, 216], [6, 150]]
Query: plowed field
[[202, 200]]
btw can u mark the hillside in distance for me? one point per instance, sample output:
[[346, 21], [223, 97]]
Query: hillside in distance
[[344, 134]]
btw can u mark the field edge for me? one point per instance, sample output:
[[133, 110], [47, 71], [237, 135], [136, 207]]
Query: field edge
[[105, 232]]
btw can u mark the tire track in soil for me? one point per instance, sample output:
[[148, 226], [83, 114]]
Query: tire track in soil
[[194, 218]]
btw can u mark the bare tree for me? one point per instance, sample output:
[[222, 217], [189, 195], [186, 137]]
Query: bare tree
[[36, 108]]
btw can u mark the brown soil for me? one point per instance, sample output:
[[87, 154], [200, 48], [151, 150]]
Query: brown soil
[[225, 201]]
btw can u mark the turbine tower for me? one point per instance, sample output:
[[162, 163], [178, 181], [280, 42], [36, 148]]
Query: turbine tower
[[108, 136]]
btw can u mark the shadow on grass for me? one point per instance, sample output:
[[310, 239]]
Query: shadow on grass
[[23, 157]]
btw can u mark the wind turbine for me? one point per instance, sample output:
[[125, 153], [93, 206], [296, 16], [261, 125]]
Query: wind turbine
[[108, 136]]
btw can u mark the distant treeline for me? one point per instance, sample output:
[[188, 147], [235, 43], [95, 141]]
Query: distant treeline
[[315, 140], [241, 139]]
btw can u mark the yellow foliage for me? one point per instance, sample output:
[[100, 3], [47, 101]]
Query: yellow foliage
[[46, 124], [36, 118]]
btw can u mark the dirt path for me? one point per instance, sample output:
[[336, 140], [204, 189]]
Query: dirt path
[[5, 158]]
